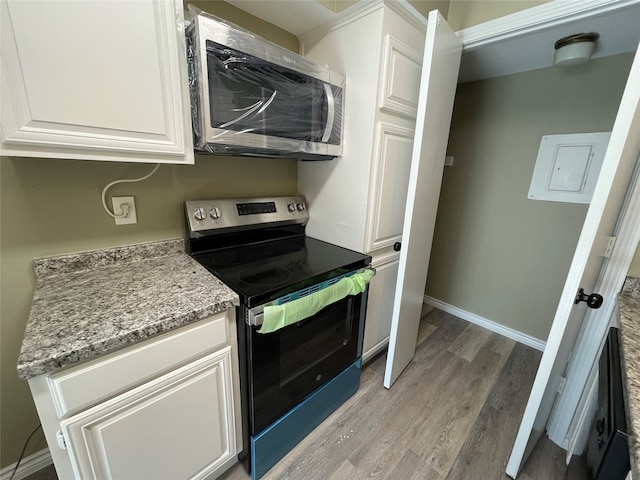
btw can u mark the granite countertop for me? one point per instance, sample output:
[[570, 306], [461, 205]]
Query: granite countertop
[[629, 306], [91, 303]]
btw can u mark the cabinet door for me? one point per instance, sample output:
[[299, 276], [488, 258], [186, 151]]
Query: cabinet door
[[176, 427], [389, 184], [95, 79], [380, 306], [400, 73]]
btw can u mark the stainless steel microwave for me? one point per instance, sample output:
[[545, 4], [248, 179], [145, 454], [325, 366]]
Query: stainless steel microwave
[[252, 97]]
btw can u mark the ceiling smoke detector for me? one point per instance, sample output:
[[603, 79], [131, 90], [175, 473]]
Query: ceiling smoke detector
[[574, 49]]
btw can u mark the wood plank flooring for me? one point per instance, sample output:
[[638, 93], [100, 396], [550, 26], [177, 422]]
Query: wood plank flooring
[[452, 415]]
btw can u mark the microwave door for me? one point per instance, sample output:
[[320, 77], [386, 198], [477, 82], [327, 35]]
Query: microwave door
[[250, 95]]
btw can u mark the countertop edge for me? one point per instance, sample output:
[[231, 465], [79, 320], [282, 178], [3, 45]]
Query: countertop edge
[[629, 310], [29, 370]]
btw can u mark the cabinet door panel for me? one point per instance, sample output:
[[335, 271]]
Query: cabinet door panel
[[400, 78], [389, 185], [380, 306], [94, 79], [178, 426]]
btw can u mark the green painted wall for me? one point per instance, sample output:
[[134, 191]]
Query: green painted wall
[[496, 253], [248, 22], [51, 207], [466, 13], [425, 6]]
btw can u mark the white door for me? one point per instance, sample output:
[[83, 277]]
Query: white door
[[606, 203], [435, 105]]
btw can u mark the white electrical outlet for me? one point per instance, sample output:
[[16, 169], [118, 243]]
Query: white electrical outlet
[[126, 206]]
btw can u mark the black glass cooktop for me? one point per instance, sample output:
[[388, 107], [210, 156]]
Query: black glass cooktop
[[265, 271]]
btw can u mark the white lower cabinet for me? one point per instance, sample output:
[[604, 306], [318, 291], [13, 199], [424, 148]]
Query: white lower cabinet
[[180, 424], [173, 427], [382, 289]]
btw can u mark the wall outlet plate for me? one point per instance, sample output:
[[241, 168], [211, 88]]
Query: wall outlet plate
[[118, 203]]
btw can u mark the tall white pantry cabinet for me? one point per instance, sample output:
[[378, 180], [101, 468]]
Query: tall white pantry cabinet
[[358, 200]]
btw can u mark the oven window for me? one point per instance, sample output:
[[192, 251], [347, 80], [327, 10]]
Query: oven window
[[319, 342], [289, 364]]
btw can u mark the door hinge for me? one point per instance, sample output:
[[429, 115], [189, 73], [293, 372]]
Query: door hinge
[[563, 382], [611, 242], [62, 442]]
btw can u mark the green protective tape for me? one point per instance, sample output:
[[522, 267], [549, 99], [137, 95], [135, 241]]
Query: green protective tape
[[279, 316]]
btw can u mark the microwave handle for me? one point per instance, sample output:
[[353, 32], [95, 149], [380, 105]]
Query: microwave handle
[[331, 113]]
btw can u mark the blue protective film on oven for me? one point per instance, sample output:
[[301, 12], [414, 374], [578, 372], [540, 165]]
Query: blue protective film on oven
[[279, 316], [275, 441]]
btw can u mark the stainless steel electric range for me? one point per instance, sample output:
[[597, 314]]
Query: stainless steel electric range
[[293, 377]]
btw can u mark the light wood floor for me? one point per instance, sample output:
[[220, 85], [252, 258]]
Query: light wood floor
[[453, 414]]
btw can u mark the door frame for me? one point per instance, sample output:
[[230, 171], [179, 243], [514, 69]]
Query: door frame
[[571, 409]]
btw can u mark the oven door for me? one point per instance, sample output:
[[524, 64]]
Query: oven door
[[287, 365]]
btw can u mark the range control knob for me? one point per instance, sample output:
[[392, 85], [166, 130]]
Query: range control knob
[[215, 213], [301, 207], [292, 207], [200, 214]]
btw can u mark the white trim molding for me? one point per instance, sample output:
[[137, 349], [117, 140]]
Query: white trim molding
[[535, 19], [486, 323], [28, 465]]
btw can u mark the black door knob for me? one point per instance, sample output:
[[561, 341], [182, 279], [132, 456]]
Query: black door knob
[[600, 426], [397, 246], [593, 301]]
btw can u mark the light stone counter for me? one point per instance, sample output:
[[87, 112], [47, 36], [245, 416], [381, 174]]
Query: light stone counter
[[629, 306], [91, 303]]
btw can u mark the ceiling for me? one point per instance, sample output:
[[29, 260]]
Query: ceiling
[[528, 48], [514, 43]]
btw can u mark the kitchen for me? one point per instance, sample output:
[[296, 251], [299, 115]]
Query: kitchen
[[44, 189]]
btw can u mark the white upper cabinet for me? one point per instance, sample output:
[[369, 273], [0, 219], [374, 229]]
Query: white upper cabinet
[[95, 80]]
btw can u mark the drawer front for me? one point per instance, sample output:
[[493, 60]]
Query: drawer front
[[94, 381]]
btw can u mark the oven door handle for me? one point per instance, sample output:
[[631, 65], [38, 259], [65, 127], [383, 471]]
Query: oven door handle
[[297, 308], [255, 316]]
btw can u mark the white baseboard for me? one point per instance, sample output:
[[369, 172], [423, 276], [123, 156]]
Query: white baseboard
[[28, 465], [486, 323]]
